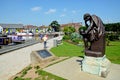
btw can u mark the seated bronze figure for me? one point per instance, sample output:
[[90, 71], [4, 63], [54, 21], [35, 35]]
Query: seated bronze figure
[[93, 36]]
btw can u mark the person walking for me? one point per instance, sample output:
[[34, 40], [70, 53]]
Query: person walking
[[45, 40], [41, 36]]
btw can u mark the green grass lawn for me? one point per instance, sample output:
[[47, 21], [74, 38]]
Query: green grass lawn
[[49, 76], [42, 75], [67, 49], [113, 52]]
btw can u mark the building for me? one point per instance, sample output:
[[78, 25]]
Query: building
[[75, 25], [12, 28], [43, 28], [30, 28]]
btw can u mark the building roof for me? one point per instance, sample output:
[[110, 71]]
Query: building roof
[[72, 24], [30, 27], [11, 25], [75, 25]]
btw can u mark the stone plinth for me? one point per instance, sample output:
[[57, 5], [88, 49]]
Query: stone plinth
[[41, 56], [96, 65]]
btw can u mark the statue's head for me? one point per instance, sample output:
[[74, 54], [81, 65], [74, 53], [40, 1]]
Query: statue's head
[[87, 16]]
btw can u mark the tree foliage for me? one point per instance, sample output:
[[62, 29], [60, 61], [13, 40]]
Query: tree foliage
[[70, 34], [115, 27], [82, 28], [75, 37], [113, 31], [55, 25], [68, 30]]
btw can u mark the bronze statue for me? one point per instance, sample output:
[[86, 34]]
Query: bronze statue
[[94, 36]]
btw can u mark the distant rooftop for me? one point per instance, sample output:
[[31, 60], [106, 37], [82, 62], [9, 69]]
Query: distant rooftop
[[11, 25]]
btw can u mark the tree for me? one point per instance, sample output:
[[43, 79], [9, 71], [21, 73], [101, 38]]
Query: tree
[[49, 29], [55, 26]]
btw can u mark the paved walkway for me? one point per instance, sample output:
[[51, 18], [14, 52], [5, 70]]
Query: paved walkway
[[71, 70], [13, 62]]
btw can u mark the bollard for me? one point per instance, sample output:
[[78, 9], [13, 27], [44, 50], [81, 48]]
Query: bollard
[[55, 43]]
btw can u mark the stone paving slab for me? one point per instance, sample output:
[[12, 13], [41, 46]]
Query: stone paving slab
[[70, 69], [14, 61]]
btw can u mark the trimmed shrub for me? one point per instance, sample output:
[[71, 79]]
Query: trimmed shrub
[[66, 37]]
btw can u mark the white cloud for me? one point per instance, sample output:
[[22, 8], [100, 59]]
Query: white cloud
[[36, 8], [62, 15], [50, 11]]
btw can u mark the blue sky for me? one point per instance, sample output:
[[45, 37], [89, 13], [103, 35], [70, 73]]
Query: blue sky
[[43, 12]]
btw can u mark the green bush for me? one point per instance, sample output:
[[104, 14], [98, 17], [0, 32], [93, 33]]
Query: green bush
[[75, 37], [76, 40], [68, 30], [113, 37], [66, 37], [83, 28], [107, 42]]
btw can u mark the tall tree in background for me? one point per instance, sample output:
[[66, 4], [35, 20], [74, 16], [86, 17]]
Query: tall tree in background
[[55, 25]]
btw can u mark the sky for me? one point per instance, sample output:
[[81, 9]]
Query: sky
[[43, 12]]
